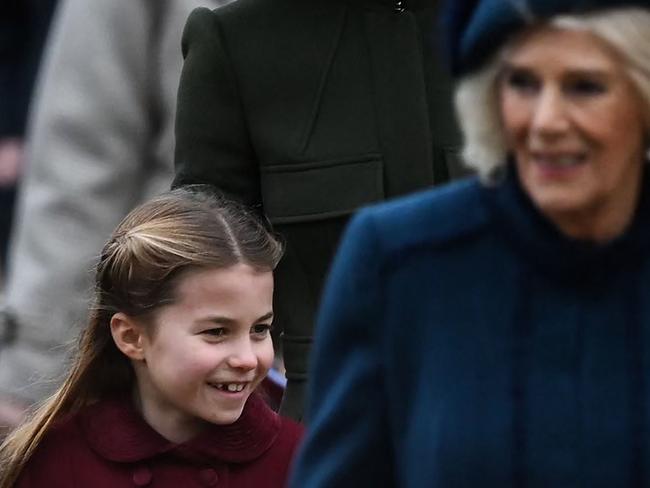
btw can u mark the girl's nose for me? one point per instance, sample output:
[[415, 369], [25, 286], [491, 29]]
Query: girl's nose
[[549, 116], [243, 355]]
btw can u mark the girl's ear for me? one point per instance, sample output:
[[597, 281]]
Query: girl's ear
[[128, 335]]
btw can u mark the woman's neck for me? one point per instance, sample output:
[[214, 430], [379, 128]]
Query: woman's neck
[[604, 221]]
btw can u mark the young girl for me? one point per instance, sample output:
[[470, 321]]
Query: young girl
[[162, 391]]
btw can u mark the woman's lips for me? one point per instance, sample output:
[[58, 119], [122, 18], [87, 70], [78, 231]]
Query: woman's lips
[[563, 161], [556, 164]]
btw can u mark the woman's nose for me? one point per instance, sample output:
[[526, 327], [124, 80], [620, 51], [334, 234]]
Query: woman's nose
[[549, 116]]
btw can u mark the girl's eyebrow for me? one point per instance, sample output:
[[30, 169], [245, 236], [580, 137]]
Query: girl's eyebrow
[[266, 316], [221, 320]]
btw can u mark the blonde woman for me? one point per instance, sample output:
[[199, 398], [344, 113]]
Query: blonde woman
[[495, 332]]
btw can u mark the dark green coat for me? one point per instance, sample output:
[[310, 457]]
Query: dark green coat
[[311, 109]]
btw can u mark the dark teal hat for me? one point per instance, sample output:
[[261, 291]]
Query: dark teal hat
[[476, 29]]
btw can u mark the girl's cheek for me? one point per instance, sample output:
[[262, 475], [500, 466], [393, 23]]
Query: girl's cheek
[[267, 356]]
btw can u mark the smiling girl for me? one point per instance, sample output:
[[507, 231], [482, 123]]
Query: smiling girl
[[162, 390]]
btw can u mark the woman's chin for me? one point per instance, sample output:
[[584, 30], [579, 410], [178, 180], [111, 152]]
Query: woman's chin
[[559, 200]]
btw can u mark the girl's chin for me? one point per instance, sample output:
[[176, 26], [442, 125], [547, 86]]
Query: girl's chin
[[225, 416]]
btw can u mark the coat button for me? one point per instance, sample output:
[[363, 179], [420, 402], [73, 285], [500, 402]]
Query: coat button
[[208, 477], [142, 476]]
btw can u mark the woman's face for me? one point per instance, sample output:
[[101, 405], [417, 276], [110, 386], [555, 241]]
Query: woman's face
[[209, 350], [575, 124]]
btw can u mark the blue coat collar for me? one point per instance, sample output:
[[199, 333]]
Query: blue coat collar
[[545, 247]]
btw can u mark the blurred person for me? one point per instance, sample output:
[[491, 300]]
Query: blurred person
[[307, 110], [163, 387], [101, 140], [506, 346], [23, 30]]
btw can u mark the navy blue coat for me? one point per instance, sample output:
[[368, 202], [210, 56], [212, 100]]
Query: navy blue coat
[[464, 342]]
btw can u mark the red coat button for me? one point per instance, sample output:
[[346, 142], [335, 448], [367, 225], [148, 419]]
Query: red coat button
[[142, 476], [209, 477]]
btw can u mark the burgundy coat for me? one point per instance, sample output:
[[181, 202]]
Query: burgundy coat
[[109, 445]]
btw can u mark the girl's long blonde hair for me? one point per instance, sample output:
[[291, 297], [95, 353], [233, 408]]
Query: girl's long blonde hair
[[140, 265]]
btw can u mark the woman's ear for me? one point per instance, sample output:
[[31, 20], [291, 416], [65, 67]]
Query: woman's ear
[[128, 335]]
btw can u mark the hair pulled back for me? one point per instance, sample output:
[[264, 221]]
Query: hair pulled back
[[157, 243]]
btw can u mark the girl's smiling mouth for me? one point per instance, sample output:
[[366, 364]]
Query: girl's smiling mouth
[[230, 387]]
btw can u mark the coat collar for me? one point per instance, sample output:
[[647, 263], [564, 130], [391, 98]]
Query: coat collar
[[115, 431], [545, 247]]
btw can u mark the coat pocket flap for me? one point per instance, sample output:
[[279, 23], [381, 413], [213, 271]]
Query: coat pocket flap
[[313, 191]]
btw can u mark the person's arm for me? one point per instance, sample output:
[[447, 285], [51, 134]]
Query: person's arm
[[348, 437], [212, 139], [89, 156]]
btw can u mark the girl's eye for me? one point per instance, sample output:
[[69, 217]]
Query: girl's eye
[[261, 330], [215, 332], [521, 81]]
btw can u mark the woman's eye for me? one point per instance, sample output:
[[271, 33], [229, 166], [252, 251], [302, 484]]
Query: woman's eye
[[586, 87], [261, 329], [521, 81]]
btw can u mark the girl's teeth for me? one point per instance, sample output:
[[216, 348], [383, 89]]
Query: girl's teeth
[[231, 387]]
